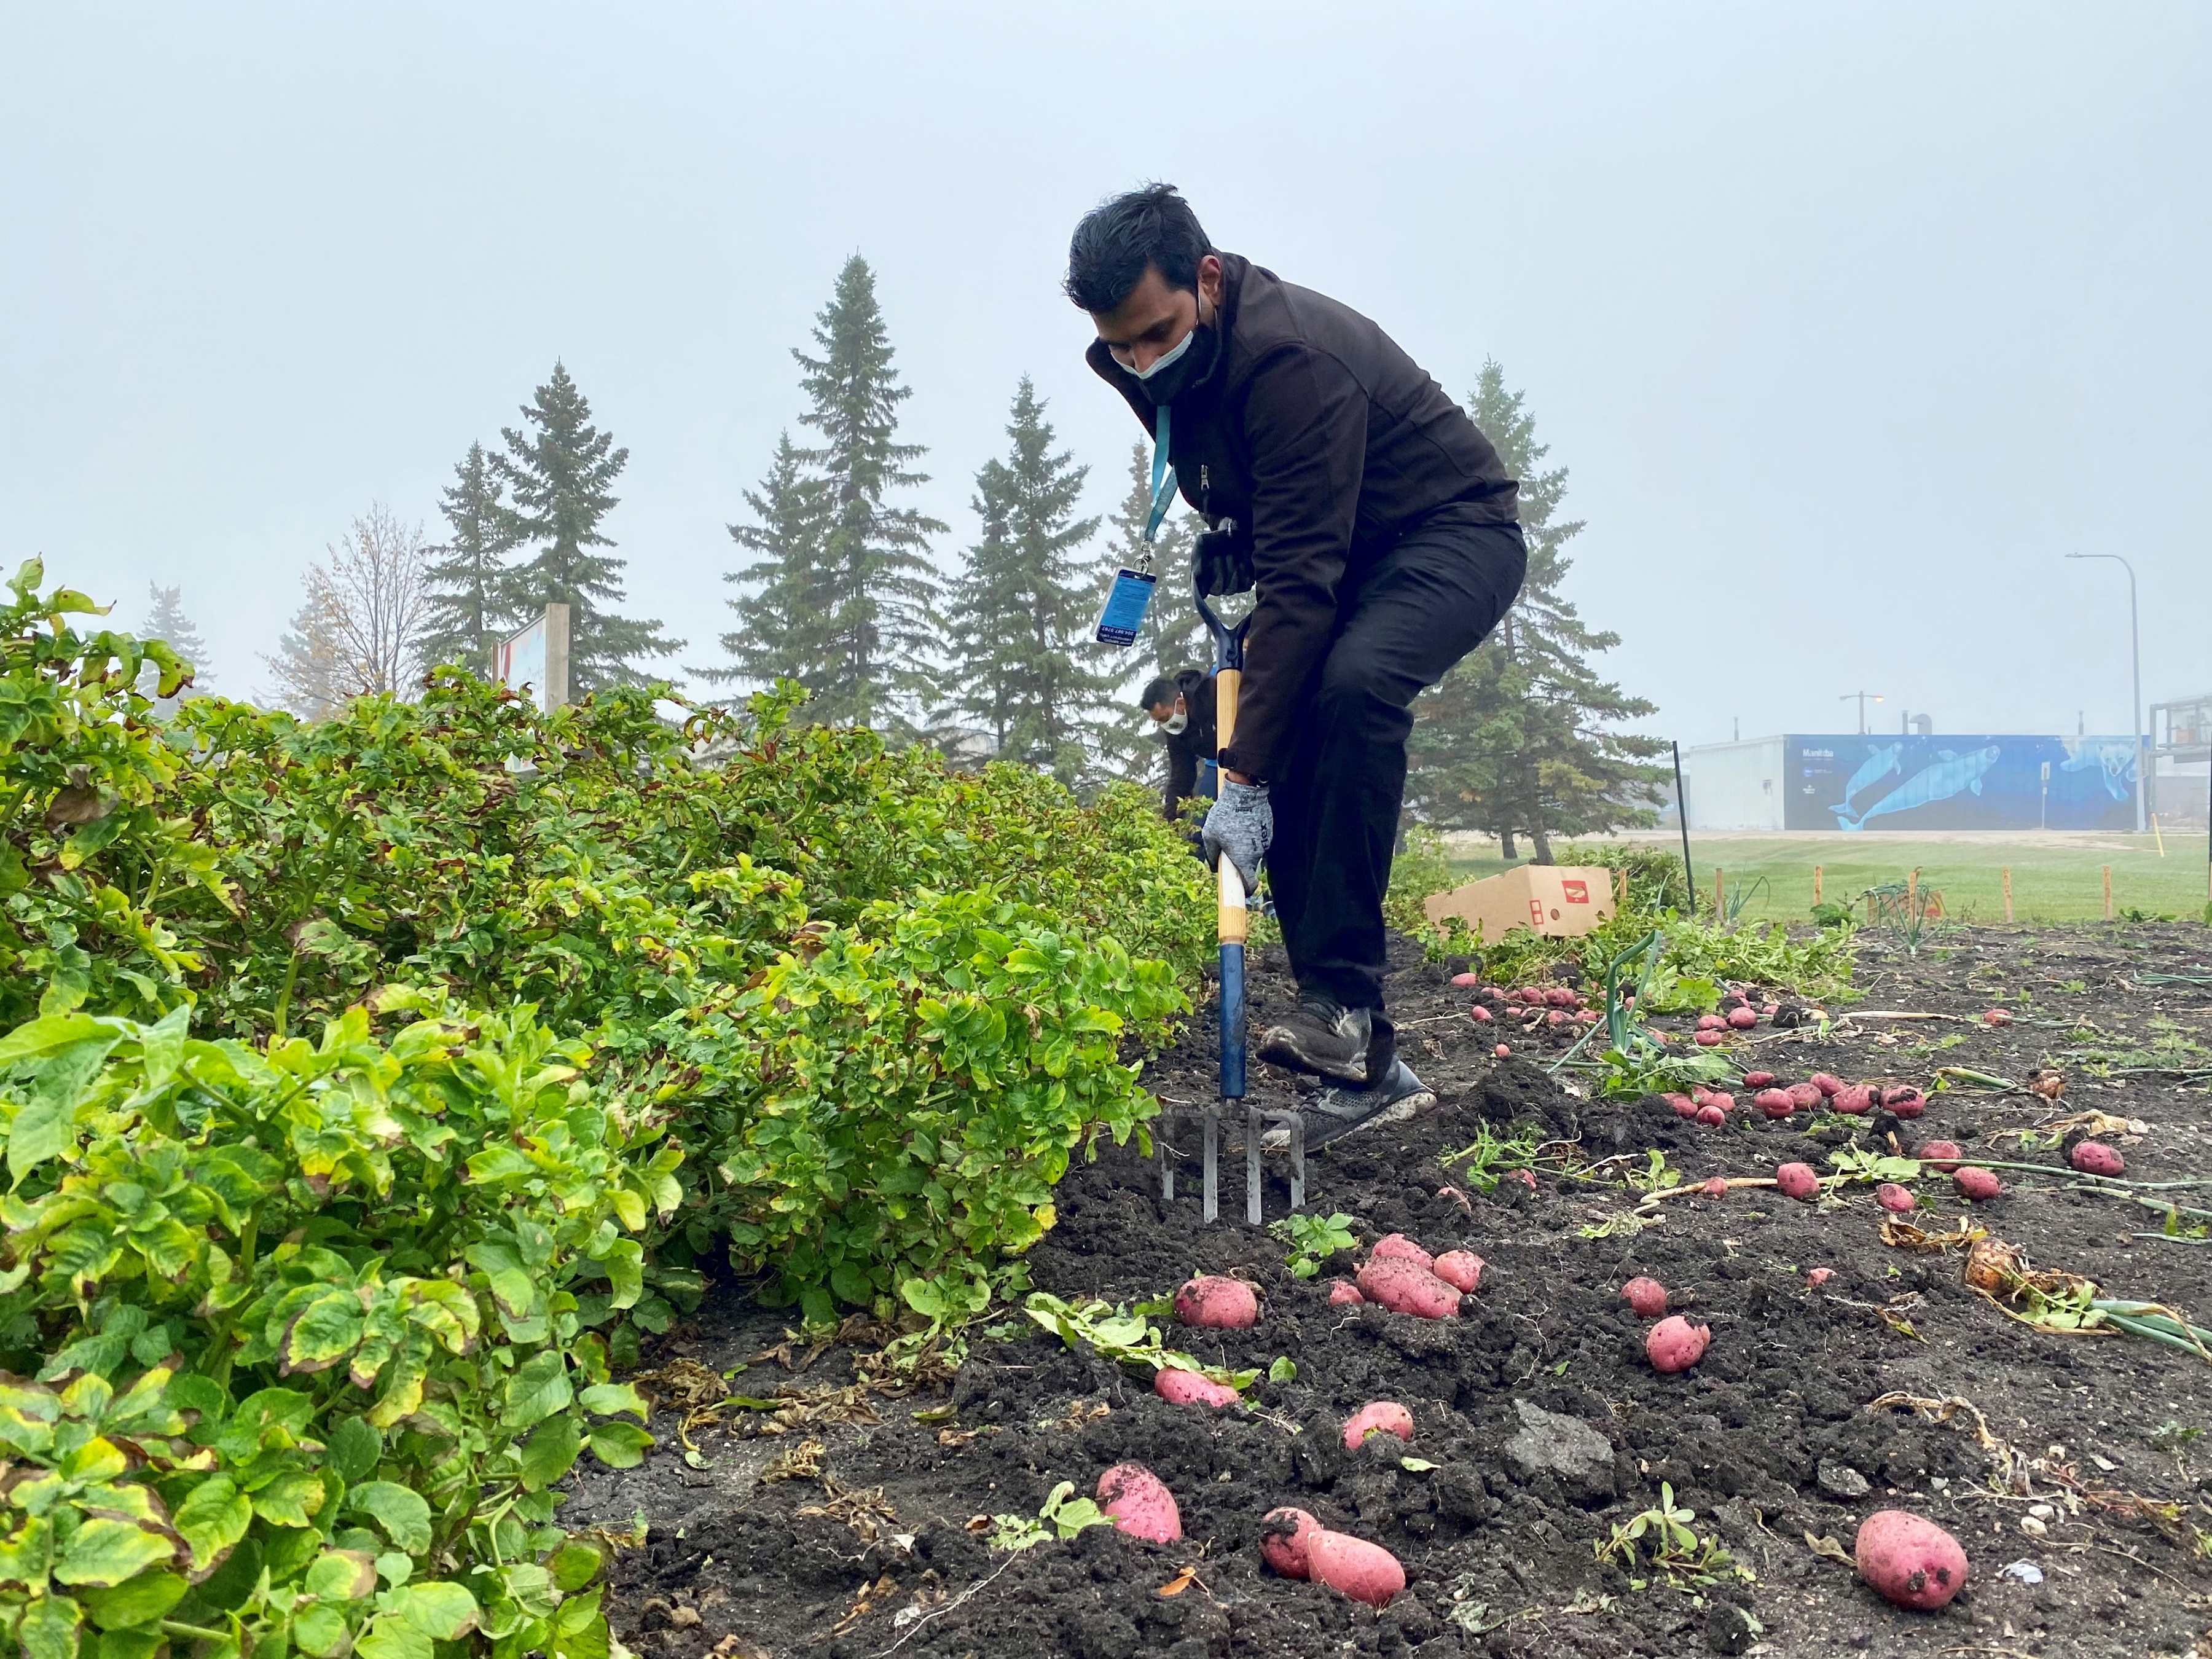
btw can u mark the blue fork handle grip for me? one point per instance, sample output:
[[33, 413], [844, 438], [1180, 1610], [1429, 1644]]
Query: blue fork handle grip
[[1232, 1021]]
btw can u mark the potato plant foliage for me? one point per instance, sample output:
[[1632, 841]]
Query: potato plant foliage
[[368, 1086]]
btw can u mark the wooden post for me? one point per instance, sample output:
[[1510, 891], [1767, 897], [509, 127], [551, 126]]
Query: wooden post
[[2108, 892], [1912, 894], [1620, 889], [1720, 894], [2007, 892], [1816, 886]]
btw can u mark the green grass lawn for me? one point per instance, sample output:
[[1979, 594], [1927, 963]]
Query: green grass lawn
[[2053, 879]]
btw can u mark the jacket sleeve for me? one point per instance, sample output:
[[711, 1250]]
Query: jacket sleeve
[[1306, 420], [1182, 775]]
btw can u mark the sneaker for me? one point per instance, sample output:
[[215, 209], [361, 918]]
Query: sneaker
[[1337, 1112], [1321, 1035]]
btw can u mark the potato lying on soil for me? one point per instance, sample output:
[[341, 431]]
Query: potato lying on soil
[[1797, 1181], [1743, 1019], [1683, 1105], [1502, 1051], [1646, 1297], [1467, 982], [1344, 1293], [1827, 1082], [1759, 1079], [1407, 1287], [1215, 1303], [1710, 1022], [1943, 1156], [1893, 1198], [1378, 1417], [1366, 1572], [1909, 1559], [1854, 1100], [1904, 1100], [1711, 1116], [1460, 1269], [1139, 1503], [1400, 1247], [1716, 1186], [1675, 1344], [1708, 1039], [1975, 1182], [1805, 1096], [1283, 1536], [1480, 1014], [1182, 1388], [1819, 1276], [1774, 1102], [2094, 1157]]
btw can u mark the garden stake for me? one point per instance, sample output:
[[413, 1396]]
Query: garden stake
[[1232, 924], [2007, 874], [2108, 892], [1682, 815]]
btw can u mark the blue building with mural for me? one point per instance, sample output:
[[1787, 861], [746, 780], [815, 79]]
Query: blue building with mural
[[1874, 781]]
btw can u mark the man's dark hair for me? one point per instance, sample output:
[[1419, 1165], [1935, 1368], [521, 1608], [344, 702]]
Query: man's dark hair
[[1107, 254], [1162, 690]]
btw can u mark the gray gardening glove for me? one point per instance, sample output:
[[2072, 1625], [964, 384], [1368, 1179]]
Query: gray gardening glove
[[1240, 824]]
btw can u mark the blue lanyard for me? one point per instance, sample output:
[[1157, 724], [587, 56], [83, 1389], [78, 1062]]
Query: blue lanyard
[[1163, 478]]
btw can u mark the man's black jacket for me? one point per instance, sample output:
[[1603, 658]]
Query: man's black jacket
[[1319, 436], [1195, 743]]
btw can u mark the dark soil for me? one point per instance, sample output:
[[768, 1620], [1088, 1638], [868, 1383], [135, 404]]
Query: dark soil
[[2094, 1477]]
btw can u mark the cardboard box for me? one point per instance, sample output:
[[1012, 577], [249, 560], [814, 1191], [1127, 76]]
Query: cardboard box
[[1562, 901]]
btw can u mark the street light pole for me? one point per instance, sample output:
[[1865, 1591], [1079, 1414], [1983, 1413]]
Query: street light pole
[[1862, 696], [2135, 706]]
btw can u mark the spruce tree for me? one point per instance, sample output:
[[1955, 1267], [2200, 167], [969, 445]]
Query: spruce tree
[[166, 620], [783, 628], [1019, 614], [879, 586], [472, 600], [559, 471], [1516, 739]]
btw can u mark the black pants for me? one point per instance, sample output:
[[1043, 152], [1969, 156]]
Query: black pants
[[1401, 625]]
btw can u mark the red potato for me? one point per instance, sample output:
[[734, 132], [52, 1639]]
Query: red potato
[[1501, 1051], [1819, 1276], [1353, 1566], [1675, 1344], [1973, 1181], [1716, 1187], [1893, 1198], [1898, 1093], [1647, 1298], [1743, 1019], [1563, 998], [1492, 993], [1707, 1039], [1774, 1102], [1460, 1269], [1456, 1197], [1711, 1116], [1827, 1083], [1587, 1017], [1711, 1022], [1282, 1537], [1558, 1017], [1683, 1105], [1407, 1287], [2094, 1157], [1797, 1181], [1215, 1303], [1804, 1097], [1701, 1094], [1378, 1417], [1344, 1294], [1182, 1388], [1759, 1079], [1139, 1503], [1531, 994], [1909, 1559], [1725, 1101], [1527, 1178], [1480, 1014], [1467, 982], [1995, 1017], [1397, 1244], [1854, 1100], [1910, 1104], [1943, 1156]]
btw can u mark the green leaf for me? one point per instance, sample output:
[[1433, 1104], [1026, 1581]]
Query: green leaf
[[539, 1388], [213, 1517], [353, 1448], [620, 1445], [49, 1628], [322, 1333], [321, 1631], [341, 1575], [574, 1564], [403, 1514], [446, 1612], [551, 1452], [291, 1499], [141, 1601], [392, 1636], [1285, 1370], [105, 1553], [605, 1399], [1417, 1465], [42, 1037]]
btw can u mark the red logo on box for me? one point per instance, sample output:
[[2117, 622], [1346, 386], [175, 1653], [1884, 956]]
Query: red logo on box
[[1578, 892], [1535, 913]]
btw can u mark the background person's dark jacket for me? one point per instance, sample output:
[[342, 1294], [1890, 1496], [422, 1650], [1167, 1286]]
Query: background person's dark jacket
[[1324, 441], [1192, 746]]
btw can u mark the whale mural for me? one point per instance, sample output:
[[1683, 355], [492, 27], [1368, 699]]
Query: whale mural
[[1971, 782]]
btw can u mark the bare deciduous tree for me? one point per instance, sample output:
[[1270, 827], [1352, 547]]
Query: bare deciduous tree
[[360, 626]]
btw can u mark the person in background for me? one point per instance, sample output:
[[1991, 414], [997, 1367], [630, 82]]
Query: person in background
[[1182, 705], [1382, 536]]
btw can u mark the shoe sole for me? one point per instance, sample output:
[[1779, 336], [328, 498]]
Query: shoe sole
[[1398, 1111], [1277, 1048]]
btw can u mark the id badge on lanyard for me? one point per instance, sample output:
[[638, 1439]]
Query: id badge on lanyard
[[1121, 618]]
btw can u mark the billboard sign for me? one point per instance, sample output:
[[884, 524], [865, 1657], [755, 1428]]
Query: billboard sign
[[1872, 781], [535, 660]]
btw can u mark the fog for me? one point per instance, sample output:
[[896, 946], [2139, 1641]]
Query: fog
[[1849, 322]]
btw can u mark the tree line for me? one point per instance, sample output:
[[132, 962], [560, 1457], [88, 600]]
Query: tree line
[[837, 588]]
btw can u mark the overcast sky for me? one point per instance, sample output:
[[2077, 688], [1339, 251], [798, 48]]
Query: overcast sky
[[1848, 321]]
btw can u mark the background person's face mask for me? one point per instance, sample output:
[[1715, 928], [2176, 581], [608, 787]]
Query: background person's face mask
[[1175, 723]]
